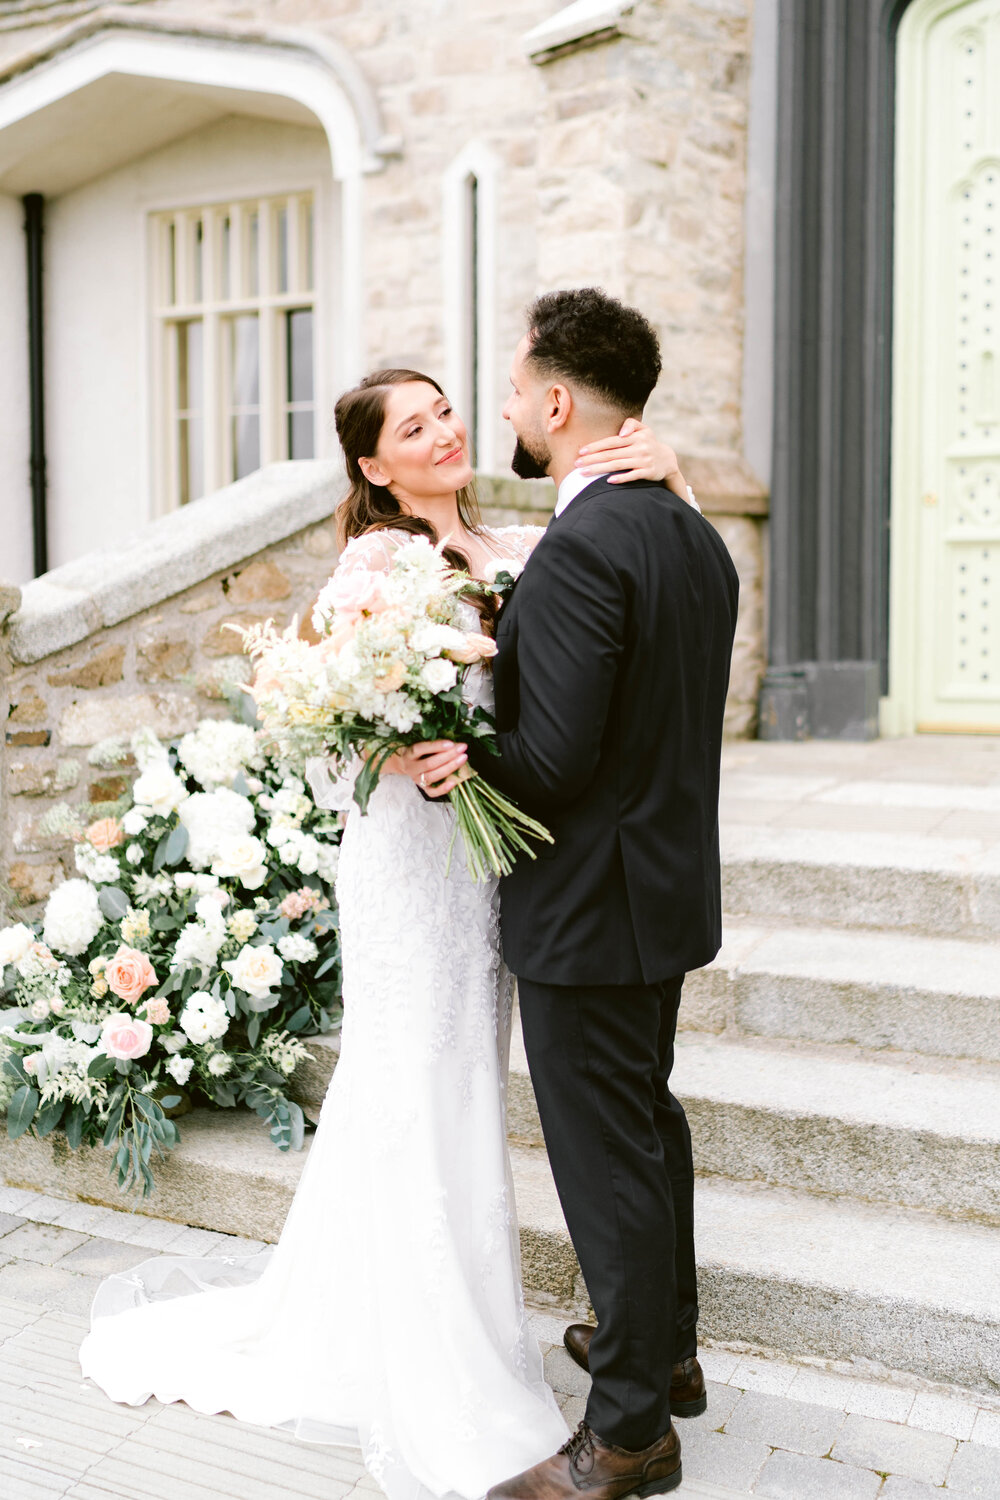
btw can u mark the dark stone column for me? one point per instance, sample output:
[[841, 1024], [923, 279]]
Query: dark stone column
[[830, 491]]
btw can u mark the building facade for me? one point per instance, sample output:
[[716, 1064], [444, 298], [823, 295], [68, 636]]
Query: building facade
[[212, 220]]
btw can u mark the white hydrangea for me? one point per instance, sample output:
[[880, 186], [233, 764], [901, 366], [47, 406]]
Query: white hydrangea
[[329, 862], [134, 822], [208, 908], [217, 751], [14, 943], [72, 917], [296, 948], [204, 1018], [160, 791], [198, 945], [211, 817], [179, 1069], [148, 749], [102, 869]]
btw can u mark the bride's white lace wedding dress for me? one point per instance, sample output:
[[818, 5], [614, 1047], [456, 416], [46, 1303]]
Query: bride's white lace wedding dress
[[390, 1313]]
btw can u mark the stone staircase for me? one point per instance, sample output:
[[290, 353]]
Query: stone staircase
[[840, 1065]]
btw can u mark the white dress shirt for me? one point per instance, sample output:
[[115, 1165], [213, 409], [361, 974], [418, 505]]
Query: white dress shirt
[[576, 482]]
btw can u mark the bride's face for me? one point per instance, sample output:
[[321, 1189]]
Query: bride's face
[[423, 448]]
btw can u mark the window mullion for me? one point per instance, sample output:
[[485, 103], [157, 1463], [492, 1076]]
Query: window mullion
[[270, 392]]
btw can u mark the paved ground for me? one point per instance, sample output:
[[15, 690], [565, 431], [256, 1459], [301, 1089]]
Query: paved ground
[[773, 1429]]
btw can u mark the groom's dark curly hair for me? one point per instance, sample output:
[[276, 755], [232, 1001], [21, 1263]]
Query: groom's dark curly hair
[[594, 340]]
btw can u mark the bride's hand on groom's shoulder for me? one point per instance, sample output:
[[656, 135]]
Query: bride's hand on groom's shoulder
[[431, 765], [636, 453]]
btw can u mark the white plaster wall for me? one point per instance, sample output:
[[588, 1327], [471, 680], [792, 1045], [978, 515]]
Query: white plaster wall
[[98, 397], [15, 492]]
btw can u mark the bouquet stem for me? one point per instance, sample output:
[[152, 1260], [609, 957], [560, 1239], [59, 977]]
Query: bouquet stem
[[494, 830]]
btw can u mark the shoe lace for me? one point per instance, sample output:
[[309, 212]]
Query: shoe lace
[[581, 1442]]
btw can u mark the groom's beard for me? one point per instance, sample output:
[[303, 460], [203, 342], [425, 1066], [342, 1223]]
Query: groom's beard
[[530, 464]]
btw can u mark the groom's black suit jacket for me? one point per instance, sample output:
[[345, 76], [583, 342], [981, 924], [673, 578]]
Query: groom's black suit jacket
[[611, 678]]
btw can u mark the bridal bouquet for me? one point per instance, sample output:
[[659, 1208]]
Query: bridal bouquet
[[395, 666], [184, 961]]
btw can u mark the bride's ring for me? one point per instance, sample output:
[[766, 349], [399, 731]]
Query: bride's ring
[[423, 778]]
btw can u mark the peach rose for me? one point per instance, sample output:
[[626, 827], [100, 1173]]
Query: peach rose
[[123, 1036], [157, 1011], [392, 679], [331, 645], [474, 648], [357, 593], [105, 834], [129, 974]]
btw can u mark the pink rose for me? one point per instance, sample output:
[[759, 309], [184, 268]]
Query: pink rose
[[105, 834], [157, 1010], [474, 648], [124, 1036], [129, 974]]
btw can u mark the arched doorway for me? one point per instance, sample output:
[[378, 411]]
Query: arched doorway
[[945, 620]]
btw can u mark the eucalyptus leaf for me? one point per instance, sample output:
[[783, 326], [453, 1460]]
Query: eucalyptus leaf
[[299, 1018], [113, 902], [327, 965], [101, 1066], [160, 852], [177, 842], [240, 785], [48, 1116], [21, 1110], [74, 1127], [170, 1101], [86, 1031]]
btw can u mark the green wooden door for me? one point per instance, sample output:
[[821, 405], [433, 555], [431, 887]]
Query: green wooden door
[[946, 442]]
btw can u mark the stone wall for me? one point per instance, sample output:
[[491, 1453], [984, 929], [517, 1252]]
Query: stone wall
[[134, 634]]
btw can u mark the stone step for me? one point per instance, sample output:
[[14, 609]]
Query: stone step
[[931, 995], [858, 879], [845, 1124], [779, 1270]]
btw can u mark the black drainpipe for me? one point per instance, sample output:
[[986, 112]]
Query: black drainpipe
[[34, 210]]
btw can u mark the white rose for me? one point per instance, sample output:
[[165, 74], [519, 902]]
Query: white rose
[[39, 1009], [297, 949], [14, 943], [179, 1069], [255, 970], [502, 565], [134, 822], [72, 917], [134, 854], [439, 675], [57, 1005], [219, 1064], [160, 790], [244, 857]]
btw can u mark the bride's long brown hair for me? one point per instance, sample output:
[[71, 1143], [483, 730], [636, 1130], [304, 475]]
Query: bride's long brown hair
[[360, 417]]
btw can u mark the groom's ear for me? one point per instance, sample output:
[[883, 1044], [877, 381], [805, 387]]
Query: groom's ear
[[558, 407], [374, 472]]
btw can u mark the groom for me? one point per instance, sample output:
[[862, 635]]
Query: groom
[[611, 677]]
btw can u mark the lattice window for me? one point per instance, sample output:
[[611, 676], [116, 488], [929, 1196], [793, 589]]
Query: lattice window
[[234, 315]]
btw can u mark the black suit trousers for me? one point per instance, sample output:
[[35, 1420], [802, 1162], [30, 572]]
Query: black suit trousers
[[618, 1141]]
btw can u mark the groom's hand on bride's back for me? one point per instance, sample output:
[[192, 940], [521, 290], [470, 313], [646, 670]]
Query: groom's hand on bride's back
[[431, 766]]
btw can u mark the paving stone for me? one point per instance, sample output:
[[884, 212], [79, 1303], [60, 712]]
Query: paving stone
[[789, 1476], [718, 1364], [898, 1488], [44, 1243], [9, 1222], [726, 1460], [565, 1375], [772, 1377], [46, 1286], [574, 1409], [20, 1480], [780, 1423], [866, 1398], [975, 1470], [100, 1257], [12, 1200], [722, 1401], [943, 1414], [987, 1429], [895, 1449]]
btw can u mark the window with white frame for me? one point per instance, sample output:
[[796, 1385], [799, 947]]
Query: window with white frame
[[234, 307], [470, 296]]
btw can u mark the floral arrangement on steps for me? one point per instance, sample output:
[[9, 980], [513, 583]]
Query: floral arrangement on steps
[[185, 962]]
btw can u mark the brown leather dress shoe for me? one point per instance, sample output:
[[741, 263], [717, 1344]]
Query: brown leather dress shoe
[[587, 1465], [687, 1383]]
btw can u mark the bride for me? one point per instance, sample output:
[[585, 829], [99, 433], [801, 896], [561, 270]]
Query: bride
[[390, 1314]]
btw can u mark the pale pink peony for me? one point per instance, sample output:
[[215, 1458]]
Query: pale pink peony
[[129, 974], [299, 902], [359, 592], [105, 834], [124, 1036], [157, 1011]]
